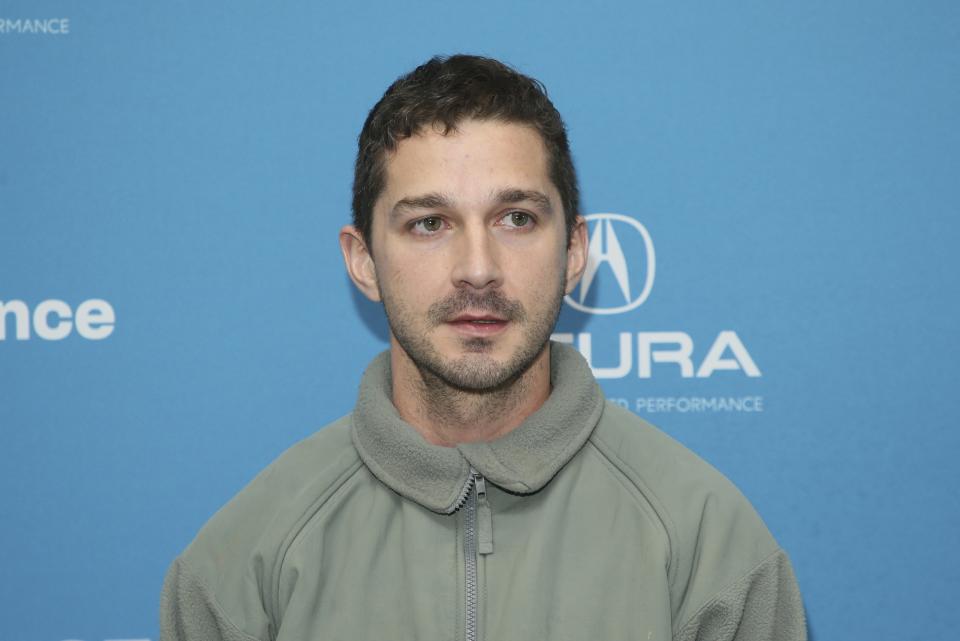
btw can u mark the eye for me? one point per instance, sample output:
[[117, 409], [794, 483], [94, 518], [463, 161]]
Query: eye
[[518, 219], [428, 225]]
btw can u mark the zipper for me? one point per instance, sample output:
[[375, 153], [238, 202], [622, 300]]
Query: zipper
[[470, 559], [484, 519], [478, 539]]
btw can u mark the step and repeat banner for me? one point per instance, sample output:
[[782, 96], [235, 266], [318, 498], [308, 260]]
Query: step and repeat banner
[[773, 215]]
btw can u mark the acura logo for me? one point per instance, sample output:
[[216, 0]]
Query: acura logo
[[632, 272]]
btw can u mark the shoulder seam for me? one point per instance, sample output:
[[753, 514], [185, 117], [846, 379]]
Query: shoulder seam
[[636, 494], [651, 497], [304, 520]]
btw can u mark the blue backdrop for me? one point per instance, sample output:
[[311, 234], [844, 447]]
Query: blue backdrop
[[783, 179]]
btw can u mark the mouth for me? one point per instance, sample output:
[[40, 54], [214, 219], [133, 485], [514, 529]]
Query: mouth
[[478, 324]]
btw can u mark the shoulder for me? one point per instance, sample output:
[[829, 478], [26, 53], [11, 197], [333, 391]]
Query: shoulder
[[714, 533], [291, 484], [657, 461], [243, 544]]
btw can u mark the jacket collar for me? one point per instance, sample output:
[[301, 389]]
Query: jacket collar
[[522, 461]]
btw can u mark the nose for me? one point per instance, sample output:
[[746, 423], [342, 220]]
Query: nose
[[476, 259]]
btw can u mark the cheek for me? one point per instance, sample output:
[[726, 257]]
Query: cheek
[[410, 279], [539, 274]]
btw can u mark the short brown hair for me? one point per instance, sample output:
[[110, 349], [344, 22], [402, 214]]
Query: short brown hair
[[443, 92]]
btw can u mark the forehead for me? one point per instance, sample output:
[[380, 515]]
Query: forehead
[[476, 158]]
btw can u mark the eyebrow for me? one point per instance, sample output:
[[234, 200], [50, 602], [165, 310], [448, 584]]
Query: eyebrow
[[507, 196], [436, 200], [432, 200]]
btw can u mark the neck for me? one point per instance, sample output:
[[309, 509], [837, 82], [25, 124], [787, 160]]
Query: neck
[[446, 415]]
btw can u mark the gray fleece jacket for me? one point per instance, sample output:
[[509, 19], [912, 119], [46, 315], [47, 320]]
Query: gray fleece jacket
[[583, 523]]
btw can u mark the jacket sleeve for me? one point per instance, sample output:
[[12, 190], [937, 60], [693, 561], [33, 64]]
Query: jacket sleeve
[[763, 605], [188, 611]]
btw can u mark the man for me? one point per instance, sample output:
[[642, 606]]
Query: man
[[482, 488]]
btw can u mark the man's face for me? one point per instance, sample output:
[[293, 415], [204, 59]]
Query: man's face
[[470, 252]]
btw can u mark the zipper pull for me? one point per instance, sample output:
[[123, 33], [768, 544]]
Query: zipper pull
[[484, 517]]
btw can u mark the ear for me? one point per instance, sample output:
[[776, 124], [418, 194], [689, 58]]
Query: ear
[[359, 262], [576, 253]]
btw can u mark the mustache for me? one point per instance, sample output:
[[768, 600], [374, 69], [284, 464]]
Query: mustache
[[493, 302]]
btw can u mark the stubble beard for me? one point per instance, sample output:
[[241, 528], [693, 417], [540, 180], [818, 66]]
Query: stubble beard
[[475, 372]]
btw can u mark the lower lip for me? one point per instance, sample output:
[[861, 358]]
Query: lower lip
[[468, 328]]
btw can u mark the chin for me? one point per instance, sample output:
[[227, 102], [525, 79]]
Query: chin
[[478, 345]]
